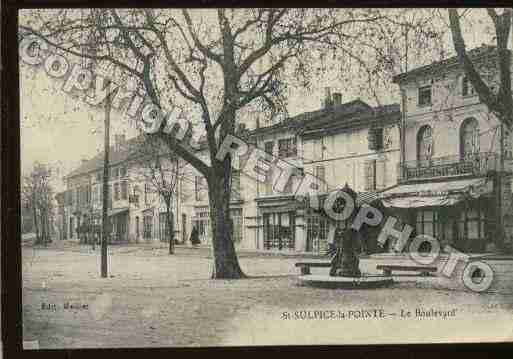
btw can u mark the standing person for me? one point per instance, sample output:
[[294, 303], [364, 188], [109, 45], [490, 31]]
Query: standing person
[[194, 236]]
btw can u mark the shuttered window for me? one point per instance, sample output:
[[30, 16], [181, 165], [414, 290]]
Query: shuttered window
[[287, 147], [375, 138], [381, 174], [370, 175], [466, 87], [198, 186], [320, 174], [146, 193], [124, 190], [269, 145], [424, 97], [116, 191]]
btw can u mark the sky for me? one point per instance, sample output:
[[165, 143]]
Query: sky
[[60, 130]]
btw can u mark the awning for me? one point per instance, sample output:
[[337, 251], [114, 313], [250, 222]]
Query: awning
[[116, 211], [362, 198], [434, 194]]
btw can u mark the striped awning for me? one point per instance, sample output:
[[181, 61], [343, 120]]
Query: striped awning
[[435, 194]]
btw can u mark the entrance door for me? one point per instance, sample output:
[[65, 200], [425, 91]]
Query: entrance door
[[163, 227], [147, 227], [121, 227], [203, 225], [317, 234], [279, 230]]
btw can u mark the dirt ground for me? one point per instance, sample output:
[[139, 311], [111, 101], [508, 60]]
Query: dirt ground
[[152, 299]]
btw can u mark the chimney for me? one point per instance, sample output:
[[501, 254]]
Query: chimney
[[337, 98], [327, 97]]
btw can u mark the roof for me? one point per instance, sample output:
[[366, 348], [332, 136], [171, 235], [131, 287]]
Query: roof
[[347, 114], [376, 116], [128, 151], [115, 157], [477, 54]]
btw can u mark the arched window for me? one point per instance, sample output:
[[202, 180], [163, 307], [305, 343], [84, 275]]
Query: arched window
[[425, 143], [469, 137]]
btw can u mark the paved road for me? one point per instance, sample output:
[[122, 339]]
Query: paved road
[[154, 299]]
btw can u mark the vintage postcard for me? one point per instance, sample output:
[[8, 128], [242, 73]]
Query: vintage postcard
[[252, 177]]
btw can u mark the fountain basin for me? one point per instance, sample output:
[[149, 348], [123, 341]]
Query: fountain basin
[[364, 282]]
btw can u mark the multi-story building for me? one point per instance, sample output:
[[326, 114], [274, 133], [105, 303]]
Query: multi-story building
[[136, 210], [437, 164], [340, 143], [450, 173]]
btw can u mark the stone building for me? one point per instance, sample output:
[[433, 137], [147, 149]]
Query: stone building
[[136, 211], [340, 143], [450, 172]]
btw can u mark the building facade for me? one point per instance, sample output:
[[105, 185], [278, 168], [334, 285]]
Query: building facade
[[441, 163], [136, 210], [341, 143], [451, 182]]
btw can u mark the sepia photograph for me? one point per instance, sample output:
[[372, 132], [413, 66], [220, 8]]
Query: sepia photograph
[[230, 177]]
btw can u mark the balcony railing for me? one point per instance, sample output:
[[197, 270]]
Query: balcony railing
[[477, 164]]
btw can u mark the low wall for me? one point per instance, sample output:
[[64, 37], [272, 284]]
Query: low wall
[[497, 271]]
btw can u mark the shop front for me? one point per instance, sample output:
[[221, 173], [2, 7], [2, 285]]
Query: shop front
[[282, 227], [460, 213]]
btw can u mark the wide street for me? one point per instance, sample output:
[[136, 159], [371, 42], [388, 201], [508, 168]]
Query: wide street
[[154, 299]]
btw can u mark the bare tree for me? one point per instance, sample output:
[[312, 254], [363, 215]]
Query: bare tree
[[37, 194], [219, 65], [500, 102], [163, 171]]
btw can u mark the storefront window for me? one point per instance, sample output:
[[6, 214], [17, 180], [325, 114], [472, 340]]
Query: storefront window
[[279, 230], [147, 226], [427, 221], [202, 223], [467, 226], [317, 234]]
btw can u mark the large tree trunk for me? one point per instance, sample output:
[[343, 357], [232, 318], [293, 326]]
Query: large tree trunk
[[226, 264]]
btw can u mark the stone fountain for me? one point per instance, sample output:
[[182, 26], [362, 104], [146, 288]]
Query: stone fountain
[[345, 265]]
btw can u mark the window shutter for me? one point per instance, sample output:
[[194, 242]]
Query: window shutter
[[269, 147], [370, 175], [381, 174], [366, 173], [124, 190], [371, 137]]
